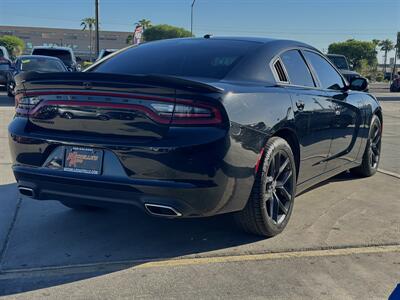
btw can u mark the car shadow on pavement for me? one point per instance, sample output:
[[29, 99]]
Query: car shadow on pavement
[[50, 244]]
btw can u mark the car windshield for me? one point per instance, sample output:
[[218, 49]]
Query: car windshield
[[64, 55], [339, 61], [41, 65], [189, 58]]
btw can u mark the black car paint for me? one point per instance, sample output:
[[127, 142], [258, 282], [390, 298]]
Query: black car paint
[[200, 171]]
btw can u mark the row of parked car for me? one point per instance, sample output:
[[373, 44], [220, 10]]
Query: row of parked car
[[42, 59]]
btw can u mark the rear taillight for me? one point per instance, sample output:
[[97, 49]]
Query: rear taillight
[[188, 112], [24, 104], [161, 110]]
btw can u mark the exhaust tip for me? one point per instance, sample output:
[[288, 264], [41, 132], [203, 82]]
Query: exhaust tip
[[26, 191], [162, 210]]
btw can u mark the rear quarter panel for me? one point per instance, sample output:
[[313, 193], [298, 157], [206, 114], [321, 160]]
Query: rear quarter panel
[[255, 114]]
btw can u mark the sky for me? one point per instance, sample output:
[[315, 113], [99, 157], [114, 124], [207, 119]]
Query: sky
[[317, 22]]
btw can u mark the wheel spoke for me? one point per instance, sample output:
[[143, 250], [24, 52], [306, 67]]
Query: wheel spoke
[[277, 161], [280, 204], [272, 167], [275, 211], [271, 206], [282, 167], [375, 149], [285, 178], [285, 193]]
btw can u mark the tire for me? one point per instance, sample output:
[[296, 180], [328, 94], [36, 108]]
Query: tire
[[371, 156], [277, 172], [9, 91], [78, 207]]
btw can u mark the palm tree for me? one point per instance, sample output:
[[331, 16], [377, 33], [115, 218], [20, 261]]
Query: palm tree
[[144, 23], [89, 23], [386, 46]]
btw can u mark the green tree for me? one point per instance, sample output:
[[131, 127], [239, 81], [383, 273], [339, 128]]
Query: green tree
[[164, 31], [386, 46], [14, 45], [355, 51], [89, 23], [129, 39], [144, 23]]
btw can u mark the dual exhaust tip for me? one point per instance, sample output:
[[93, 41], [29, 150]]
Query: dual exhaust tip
[[26, 191], [153, 209], [162, 210]]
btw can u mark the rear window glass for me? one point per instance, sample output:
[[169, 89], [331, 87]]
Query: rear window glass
[[339, 62], [41, 65], [189, 58], [297, 68], [64, 55]]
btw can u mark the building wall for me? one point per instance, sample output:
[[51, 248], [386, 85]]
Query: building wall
[[77, 39]]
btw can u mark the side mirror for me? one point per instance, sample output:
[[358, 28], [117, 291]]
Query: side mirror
[[359, 84], [78, 68]]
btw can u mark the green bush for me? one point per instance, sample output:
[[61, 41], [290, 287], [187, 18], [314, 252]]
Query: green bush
[[164, 31], [14, 45], [379, 77], [86, 64]]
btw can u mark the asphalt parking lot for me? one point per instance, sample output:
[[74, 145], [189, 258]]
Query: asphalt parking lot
[[342, 242]]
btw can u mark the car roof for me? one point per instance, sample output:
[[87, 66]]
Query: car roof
[[38, 56], [52, 47]]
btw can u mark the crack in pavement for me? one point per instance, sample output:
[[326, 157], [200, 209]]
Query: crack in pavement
[[7, 239]]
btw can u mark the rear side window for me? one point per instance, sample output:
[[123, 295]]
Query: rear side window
[[327, 75], [186, 57], [298, 72]]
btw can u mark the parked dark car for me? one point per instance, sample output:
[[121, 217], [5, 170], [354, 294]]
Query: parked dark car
[[395, 85], [194, 127], [66, 54], [5, 66], [105, 52], [29, 63], [340, 61]]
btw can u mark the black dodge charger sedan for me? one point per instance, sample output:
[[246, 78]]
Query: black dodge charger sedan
[[194, 127]]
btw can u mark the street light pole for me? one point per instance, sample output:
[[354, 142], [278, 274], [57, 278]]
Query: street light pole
[[191, 18], [97, 28]]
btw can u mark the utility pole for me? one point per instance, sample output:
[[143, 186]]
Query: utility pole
[[97, 28], [191, 18]]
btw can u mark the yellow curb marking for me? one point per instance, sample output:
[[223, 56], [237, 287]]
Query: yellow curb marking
[[269, 256]]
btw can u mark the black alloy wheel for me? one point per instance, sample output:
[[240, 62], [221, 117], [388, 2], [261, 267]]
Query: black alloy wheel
[[372, 153], [270, 205]]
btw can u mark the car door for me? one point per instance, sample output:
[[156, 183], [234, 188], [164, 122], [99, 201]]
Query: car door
[[313, 115], [346, 104]]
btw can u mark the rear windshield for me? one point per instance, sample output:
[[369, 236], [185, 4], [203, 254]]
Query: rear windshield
[[188, 58], [64, 55], [41, 65], [339, 61]]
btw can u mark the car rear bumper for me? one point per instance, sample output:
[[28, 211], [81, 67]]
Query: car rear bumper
[[187, 199], [195, 175]]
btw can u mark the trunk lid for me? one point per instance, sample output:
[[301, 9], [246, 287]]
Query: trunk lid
[[93, 105]]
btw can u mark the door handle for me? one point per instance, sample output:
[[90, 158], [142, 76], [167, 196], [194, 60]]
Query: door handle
[[300, 104]]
